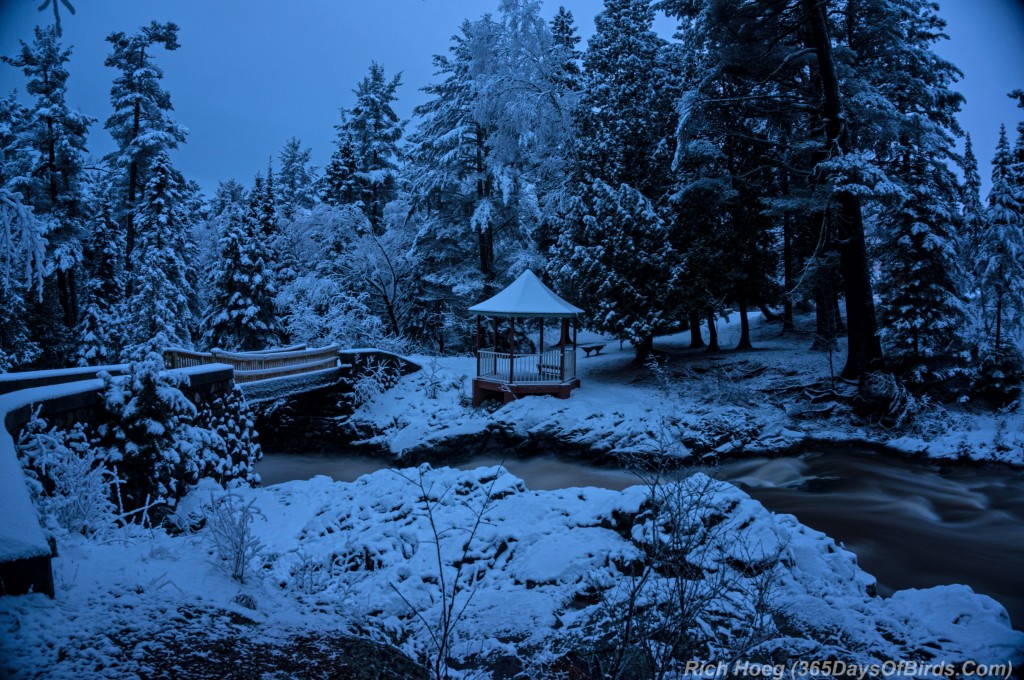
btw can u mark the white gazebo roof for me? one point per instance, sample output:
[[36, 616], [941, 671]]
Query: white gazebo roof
[[526, 296]]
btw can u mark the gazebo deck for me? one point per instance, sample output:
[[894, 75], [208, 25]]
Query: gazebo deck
[[550, 372]]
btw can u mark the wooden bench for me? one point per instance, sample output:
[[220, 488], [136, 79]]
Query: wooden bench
[[549, 367], [593, 347]]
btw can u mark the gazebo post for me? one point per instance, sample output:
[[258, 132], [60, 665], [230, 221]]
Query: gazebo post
[[478, 345], [565, 336], [495, 342], [575, 328], [542, 340], [511, 349]]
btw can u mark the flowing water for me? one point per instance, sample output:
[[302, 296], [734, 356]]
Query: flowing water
[[911, 524]]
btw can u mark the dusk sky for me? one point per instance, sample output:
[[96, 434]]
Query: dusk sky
[[249, 75]]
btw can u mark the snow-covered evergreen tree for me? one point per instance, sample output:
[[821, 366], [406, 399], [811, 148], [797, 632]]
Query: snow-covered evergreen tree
[[242, 311], [141, 124], [1001, 252], [151, 439], [158, 311], [367, 145], [615, 252], [55, 135], [296, 180], [624, 145], [972, 211], [922, 313], [100, 331], [237, 447], [22, 247]]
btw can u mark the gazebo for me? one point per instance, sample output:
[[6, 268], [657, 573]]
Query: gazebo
[[511, 374]]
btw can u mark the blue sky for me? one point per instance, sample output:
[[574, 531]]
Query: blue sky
[[249, 75]]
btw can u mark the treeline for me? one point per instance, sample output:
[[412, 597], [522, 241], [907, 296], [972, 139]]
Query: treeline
[[784, 154]]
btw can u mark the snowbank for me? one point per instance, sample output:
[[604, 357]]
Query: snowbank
[[384, 556]]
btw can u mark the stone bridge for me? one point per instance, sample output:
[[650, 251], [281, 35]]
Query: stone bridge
[[277, 383]]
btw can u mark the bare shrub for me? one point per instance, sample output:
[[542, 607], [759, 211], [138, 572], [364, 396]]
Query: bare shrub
[[688, 596], [229, 522], [456, 583], [67, 477]]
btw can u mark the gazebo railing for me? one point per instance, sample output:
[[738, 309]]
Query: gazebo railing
[[539, 367]]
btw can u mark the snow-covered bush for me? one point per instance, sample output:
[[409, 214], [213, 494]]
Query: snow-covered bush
[[151, 440], [229, 529], [237, 447], [885, 400], [67, 478], [1000, 375], [376, 376]]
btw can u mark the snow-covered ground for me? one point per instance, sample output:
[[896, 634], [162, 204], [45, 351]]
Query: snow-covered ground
[[527, 578], [383, 556], [765, 400]]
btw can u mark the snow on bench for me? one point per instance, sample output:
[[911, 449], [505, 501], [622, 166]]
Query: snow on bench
[[594, 347]]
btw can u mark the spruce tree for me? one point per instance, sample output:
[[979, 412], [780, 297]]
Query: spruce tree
[[972, 211], [242, 314], [1001, 252], [923, 313], [100, 331], [158, 307], [56, 135], [375, 130], [140, 125], [296, 180], [624, 147], [339, 185]]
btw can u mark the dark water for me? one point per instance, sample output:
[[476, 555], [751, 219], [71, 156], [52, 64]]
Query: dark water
[[911, 524]]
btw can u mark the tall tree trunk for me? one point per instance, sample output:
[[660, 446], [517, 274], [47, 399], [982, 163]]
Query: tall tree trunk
[[696, 339], [643, 350], [744, 342], [864, 346], [999, 319], [133, 186], [712, 332], [837, 315], [787, 272], [824, 319]]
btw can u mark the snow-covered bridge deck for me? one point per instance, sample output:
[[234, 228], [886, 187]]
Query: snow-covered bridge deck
[[72, 395]]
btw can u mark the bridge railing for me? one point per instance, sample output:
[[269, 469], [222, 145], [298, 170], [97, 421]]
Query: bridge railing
[[253, 366]]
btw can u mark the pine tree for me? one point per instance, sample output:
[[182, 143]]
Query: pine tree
[[158, 312], [296, 180], [100, 332], [242, 313], [623, 149], [374, 131], [140, 125], [22, 246], [972, 211], [1001, 252], [56, 134]]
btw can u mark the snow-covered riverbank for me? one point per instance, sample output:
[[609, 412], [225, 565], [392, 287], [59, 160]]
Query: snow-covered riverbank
[[761, 401], [540, 576]]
